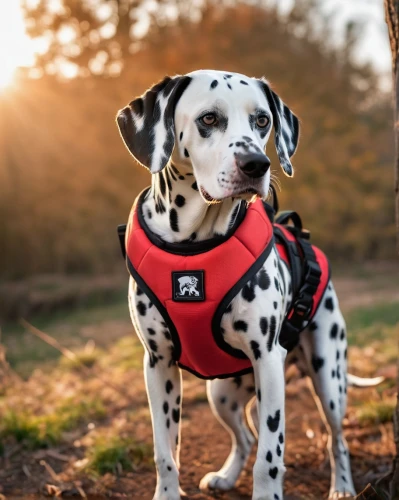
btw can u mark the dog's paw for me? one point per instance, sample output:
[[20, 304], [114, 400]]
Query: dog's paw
[[214, 481]]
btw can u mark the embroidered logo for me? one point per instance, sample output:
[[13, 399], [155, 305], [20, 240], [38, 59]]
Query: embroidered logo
[[188, 286]]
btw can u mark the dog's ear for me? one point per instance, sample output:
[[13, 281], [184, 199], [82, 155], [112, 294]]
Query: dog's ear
[[147, 123], [286, 128]]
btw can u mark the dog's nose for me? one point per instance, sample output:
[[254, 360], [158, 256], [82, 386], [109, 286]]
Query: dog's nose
[[254, 165]]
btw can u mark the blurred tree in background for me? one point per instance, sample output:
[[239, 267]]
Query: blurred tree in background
[[66, 180]]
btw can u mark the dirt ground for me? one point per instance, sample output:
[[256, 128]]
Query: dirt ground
[[205, 444], [54, 471]]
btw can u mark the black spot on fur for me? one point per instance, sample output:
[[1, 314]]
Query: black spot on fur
[[142, 308], [167, 334], [278, 450], [346, 353], [340, 389], [248, 292], [313, 326], [342, 336], [275, 305], [162, 184], [178, 399], [317, 363], [281, 438], [186, 153], [332, 405], [255, 349], [273, 422], [169, 387], [180, 200], [343, 479], [263, 279], [149, 214], [276, 497], [169, 468], [269, 456], [153, 345], [272, 334], [181, 177], [334, 331], [263, 325], [329, 304], [176, 415], [240, 326], [151, 331], [181, 136], [237, 381], [332, 373], [259, 395], [338, 355], [214, 84], [229, 86], [234, 406], [165, 407], [276, 284], [174, 220], [223, 400], [168, 423], [194, 185], [243, 83], [273, 472], [139, 291]]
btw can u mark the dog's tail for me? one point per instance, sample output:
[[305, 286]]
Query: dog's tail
[[354, 381]]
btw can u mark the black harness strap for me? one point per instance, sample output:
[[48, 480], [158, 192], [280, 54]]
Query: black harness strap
[[305, 274], [121, 236]]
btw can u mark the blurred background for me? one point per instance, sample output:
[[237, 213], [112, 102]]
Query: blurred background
[[66, 181]]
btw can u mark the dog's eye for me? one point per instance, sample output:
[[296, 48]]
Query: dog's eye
[[209, 119], [262, 121]]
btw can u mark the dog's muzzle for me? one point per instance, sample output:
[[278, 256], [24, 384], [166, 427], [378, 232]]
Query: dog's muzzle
[[253, 165]]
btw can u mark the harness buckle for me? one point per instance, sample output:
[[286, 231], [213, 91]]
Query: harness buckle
[[303, 305]]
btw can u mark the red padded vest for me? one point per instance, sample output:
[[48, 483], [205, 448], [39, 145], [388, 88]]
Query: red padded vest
[[191, 285]]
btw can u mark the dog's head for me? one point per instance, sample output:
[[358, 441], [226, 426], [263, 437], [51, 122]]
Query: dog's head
[[216, 123]]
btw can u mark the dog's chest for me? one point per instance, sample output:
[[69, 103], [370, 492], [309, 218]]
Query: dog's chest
[[262, 303]]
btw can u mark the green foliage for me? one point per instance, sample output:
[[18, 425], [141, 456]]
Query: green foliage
[[111, 454], [83, 357], [379, 322], [41, 431], [376, 412]]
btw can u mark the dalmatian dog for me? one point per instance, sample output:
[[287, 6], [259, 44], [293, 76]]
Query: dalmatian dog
[[203, 137], [188, 284]]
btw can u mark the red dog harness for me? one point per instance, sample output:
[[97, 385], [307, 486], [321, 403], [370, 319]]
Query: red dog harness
[[192, 284]]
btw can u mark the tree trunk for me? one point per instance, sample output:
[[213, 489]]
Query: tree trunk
[[392, 19]]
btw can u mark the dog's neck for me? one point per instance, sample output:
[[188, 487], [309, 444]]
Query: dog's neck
[[175, 211]]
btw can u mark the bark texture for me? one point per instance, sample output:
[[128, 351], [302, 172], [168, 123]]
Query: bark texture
[[392, 19]]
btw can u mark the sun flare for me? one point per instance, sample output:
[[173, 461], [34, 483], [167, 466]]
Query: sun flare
[[16, 49]]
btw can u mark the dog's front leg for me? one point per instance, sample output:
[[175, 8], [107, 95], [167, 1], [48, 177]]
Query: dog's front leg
[[269, 467], [163, 384]]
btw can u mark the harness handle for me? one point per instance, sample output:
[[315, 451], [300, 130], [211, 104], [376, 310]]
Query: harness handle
[[297, 229]]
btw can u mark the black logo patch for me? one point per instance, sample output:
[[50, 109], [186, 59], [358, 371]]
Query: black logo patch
[[188, 286]]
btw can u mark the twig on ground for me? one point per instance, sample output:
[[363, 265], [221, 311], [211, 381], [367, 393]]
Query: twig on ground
[[71, 355]]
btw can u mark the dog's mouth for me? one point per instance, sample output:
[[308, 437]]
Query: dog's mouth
[[247, 191], [207, 197]]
